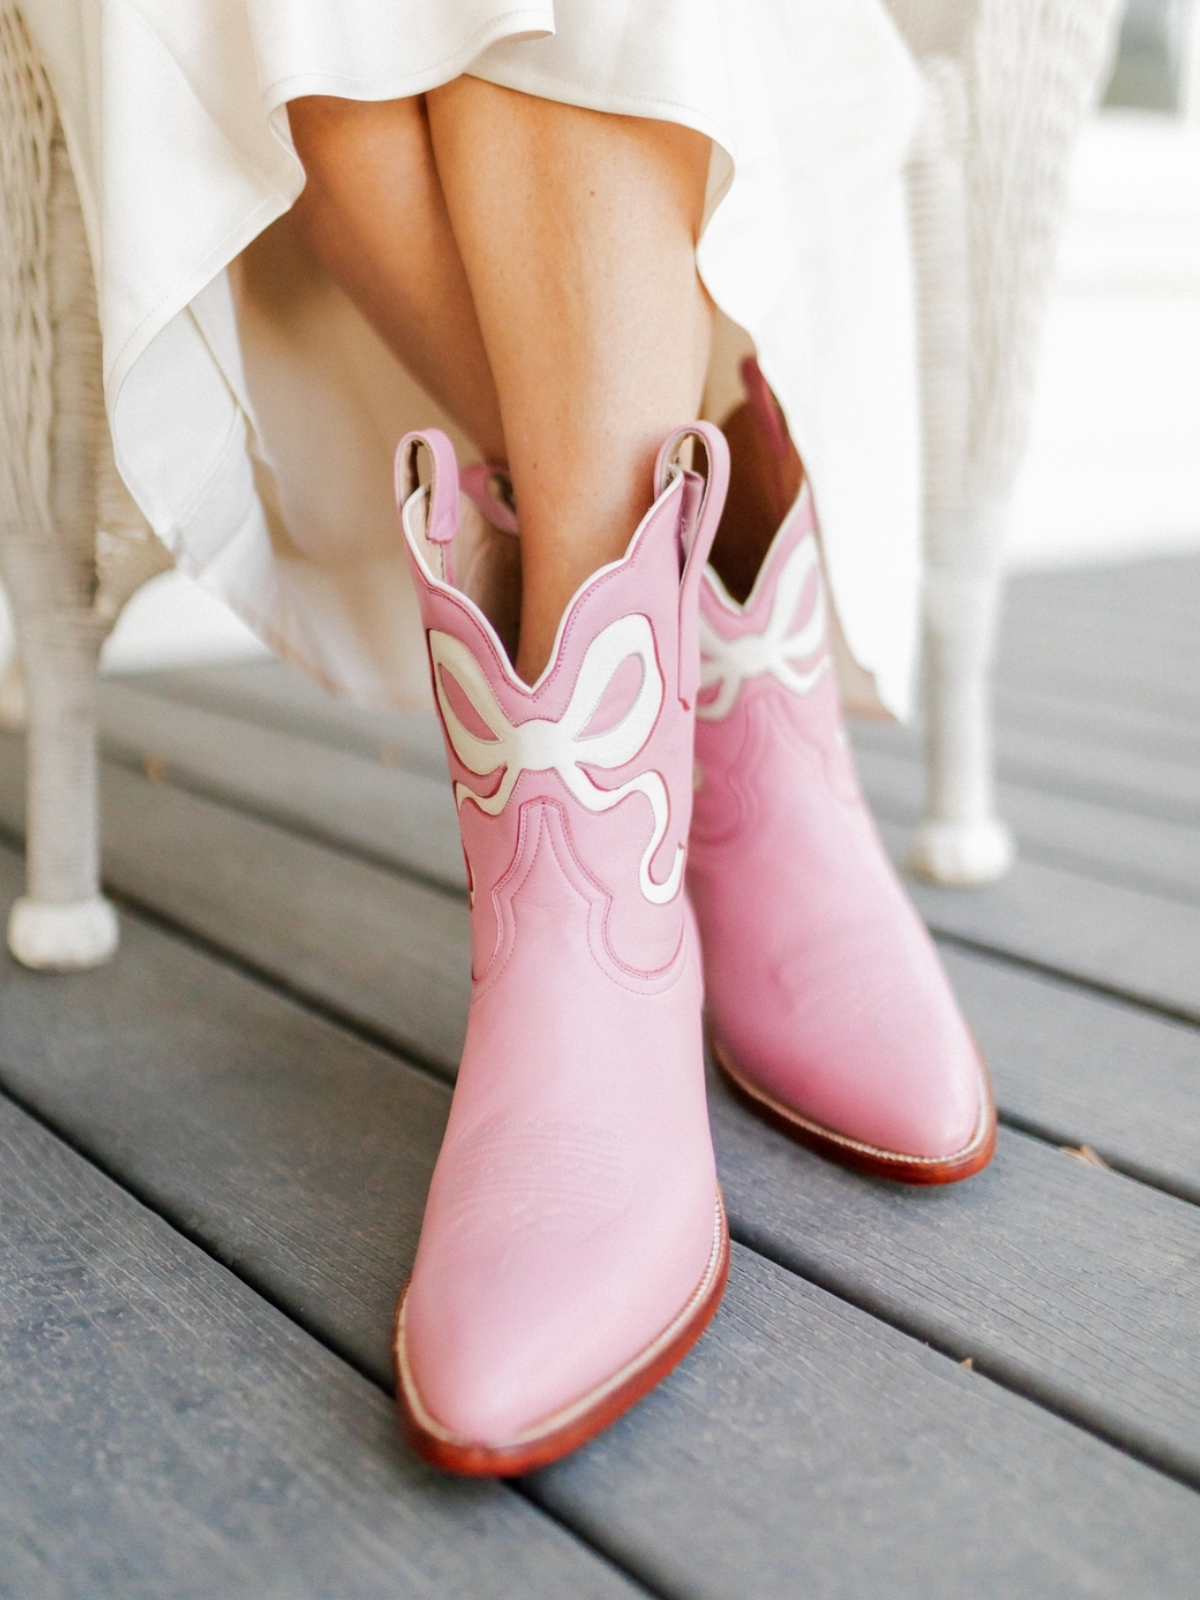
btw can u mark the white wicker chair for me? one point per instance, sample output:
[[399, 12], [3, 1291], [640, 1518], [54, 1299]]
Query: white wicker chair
[[1007, 85], [1008, 82], [73, 546]]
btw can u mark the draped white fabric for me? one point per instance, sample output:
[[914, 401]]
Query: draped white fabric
[[253, 426]]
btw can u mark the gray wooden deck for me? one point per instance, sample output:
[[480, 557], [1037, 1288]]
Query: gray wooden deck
[[213, 1157]]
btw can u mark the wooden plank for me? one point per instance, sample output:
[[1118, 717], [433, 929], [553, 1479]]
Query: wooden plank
[[1161, 595], [1057, 641], [1082, 744], [232, 1114], [1095, 840], [272, 695], [1125, 633], [277, 696], [257, 1128], [1106, 933], [1067, 1283], [825, 1455], [388, 813], [365, 943], [1050, 760], [1131, 597], [1099, 720], [801, 1438], [393, 958], [1144, 583], [1118, 938], [1134, 664], [1134, 780], [1080, 1069], [165, 1433]]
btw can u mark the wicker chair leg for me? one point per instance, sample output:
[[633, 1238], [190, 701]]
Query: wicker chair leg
[[961, 841], [62, 922], [988, 192], [52, 430]]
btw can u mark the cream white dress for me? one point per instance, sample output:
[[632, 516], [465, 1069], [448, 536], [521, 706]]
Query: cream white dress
[[254, 413]]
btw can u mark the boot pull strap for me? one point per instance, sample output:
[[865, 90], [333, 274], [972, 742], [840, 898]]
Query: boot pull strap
[[703, 503], [441, 522]]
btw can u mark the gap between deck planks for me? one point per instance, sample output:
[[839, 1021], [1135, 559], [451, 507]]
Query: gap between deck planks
[[1098, 775], [804, 1447], [166, 1433]]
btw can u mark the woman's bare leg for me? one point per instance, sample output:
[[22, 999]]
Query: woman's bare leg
[[577, 230], [534, 267], [373, 211]]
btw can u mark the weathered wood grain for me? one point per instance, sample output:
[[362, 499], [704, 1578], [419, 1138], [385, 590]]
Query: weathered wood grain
[[393, 957], [1118, 935], [1092, 785], [389, 814], [804, 1447], [165, 1434], [1092, 654], [257, 1128]]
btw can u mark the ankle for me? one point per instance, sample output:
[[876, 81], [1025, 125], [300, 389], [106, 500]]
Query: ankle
[[562, 547]]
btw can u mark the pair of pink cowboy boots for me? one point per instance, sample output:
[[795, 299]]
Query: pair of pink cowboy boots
[[574, 1245]]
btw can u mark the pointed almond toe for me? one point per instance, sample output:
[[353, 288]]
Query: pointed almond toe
[[504, 1418]]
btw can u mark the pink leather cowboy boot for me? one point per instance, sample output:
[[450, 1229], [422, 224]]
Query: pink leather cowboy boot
[[574, 1245], [828, 1007]]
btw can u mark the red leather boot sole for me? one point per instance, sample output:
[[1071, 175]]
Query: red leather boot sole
[[863, 1157], [566, 1430]]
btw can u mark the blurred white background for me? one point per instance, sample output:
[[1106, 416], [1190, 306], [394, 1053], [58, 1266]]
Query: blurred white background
[[1113, 470]]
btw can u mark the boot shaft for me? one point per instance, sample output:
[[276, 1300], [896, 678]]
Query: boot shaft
[[595, 758]]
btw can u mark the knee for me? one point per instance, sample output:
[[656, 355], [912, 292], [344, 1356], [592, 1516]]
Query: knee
[[334, 137]]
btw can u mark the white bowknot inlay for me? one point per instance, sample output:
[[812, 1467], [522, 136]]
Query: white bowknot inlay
[[725, 664], [539, 745]]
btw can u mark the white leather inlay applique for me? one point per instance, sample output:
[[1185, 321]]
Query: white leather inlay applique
[[539, 745], [725, 664]]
